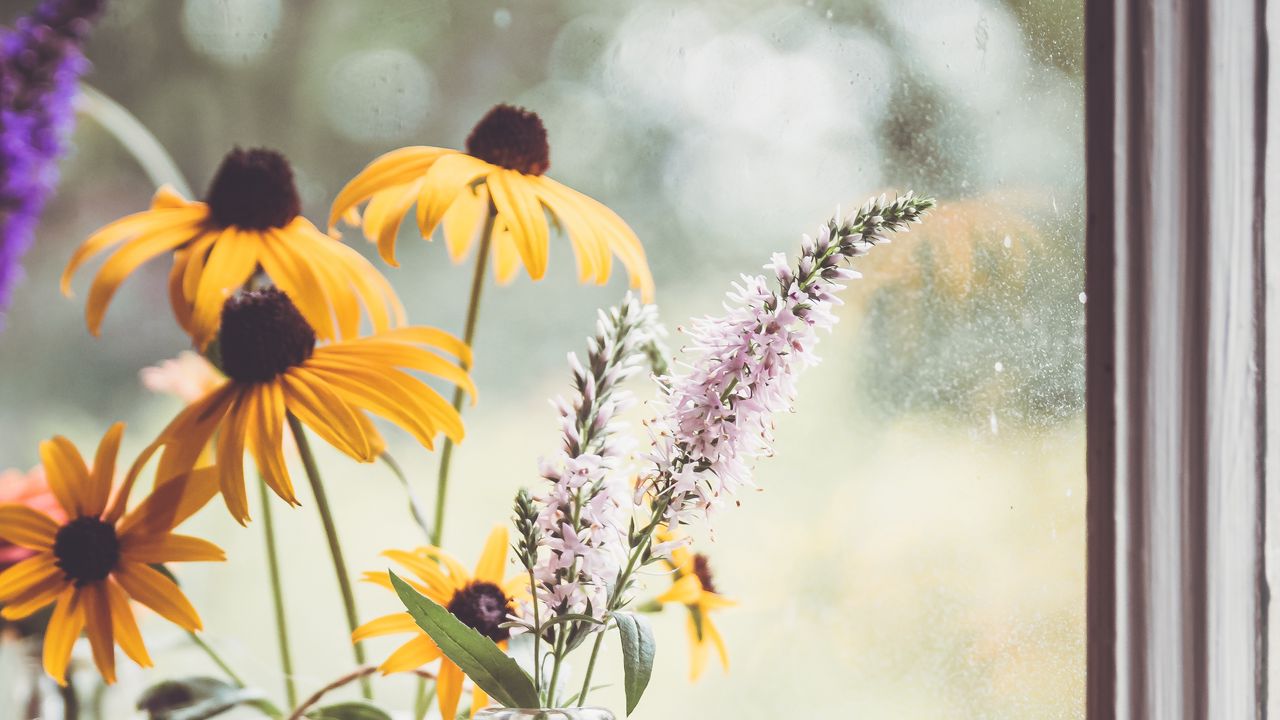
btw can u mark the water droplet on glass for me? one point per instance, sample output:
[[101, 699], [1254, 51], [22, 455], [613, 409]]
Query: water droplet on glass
[[999, 367], [995, 424], [502, 18], [1083, 298], [1008, 241]]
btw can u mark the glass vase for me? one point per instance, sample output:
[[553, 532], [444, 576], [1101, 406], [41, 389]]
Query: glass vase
[[583, 713]]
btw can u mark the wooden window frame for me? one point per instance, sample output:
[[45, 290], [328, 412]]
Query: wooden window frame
[[1179, 286]]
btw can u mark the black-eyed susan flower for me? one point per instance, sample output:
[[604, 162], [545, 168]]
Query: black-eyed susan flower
[[273, 367], [694, 588], [481, 600], [502, 172], [90, 564], [250, 222]]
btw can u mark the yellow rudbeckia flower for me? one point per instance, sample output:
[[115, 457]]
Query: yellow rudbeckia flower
[[481, 600], [251, 221], [502, 172], [273, 367], [100, 557], [692, 587]]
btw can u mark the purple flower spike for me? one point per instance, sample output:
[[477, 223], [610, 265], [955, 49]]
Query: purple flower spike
[[41, 59]]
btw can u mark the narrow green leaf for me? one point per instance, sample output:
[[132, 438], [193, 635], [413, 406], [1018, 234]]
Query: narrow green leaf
[[482, 661], [349, 711], [637, 654]]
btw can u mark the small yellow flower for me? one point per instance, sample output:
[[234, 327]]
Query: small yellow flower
[[481, 600], [250, 221], [503, 171], [273, 367], [95, 561], [693, 588]]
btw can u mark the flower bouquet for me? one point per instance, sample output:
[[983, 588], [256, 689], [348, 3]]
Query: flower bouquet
[[295, 336]]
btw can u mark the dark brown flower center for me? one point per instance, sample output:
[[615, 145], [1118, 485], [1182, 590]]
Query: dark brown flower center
[[482, 606], [513, 138], [87, 550], [254, 190], [263, 335], [702, 568]]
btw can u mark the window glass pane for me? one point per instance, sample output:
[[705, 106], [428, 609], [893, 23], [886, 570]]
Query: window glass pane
[[917, 547]]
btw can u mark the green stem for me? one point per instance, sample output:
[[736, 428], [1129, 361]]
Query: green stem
[[537, 635], [216, 658], [331, 534], [591, 666], [425, 695], [469, 333], [415, 507], [555, 667], [156, 162], [277, 596]]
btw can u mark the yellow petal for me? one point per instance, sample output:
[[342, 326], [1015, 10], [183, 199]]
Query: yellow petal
[[712, 633], [449, 685], [393, 168], [28, 528], [411, 656], [684, 591], [267, 444], [317, 406], [149, 221], [26, 574], [231, 456], [524, 216], [438, 585], [98, 488], [171, 503], [153, 550], [97, 613], [697, 652], [123, 262], [493, 560], [34, 597], [157, 592], [443, 183], [188, 434], [464, 220], [231, 263], [64, 627], [124, 626], [66, 472], [394, 624]]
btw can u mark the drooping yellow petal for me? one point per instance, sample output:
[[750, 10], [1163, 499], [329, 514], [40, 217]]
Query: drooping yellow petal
[[458, 575], [464, 220], [160, 549], [449, 685], [34, 597], [147, 222], [317, 406], [402, 355], [123, 262], [64, 627], [590, 249], [432, 337], [98, 488], [188, 434], [439, 585], [684, 591], [443, 183], [506, 256], [395, 395], [28, 528], [386, 212], [170, 504], [197, 255], [712, 601], [697, 651], [157, 592], [411, 655], [231, 263], [67, 474], [393, 624], [124, 626], [383, 580], [26, 574], [267, 443], [524, 216], [177, 301], [712, 633], [97, 613], [230, 451], [292, 271], [493, 559], [605, 223], [394, 168]]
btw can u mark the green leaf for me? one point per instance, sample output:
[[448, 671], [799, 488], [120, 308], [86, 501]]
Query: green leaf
[[637, 654], [349, 711], [196, 698], [482, 661]]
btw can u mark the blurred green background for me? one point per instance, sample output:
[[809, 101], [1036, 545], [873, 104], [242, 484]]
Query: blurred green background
[[917, 549]]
